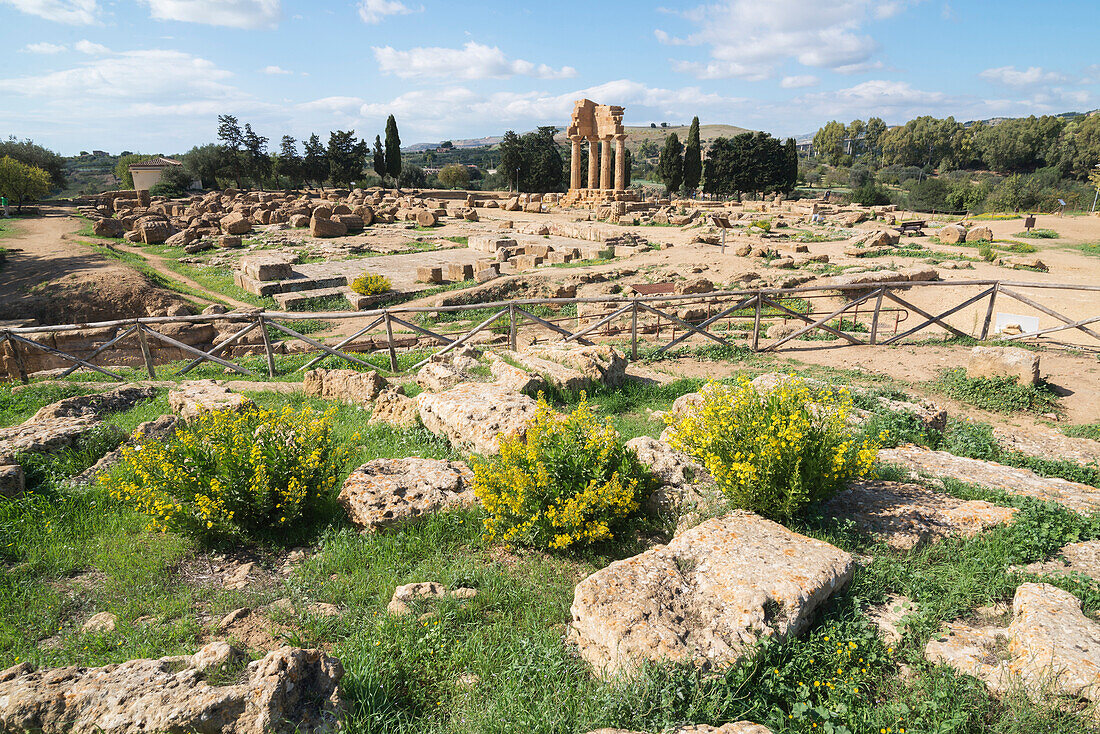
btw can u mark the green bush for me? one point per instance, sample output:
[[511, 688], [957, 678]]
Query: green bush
[[997, 394], [870, 194], [778, 451], [1084, 430], [369, 284], [569, 482], [250, 473]]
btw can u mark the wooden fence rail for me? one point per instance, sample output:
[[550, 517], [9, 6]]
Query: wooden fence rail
[[750, 306]]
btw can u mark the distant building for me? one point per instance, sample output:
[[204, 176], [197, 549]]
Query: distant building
[[147, 173]]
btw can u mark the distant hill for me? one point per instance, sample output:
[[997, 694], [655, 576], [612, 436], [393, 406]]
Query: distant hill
[[636, 135]]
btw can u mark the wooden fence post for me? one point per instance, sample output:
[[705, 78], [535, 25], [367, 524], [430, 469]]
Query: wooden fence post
[[874, 319], [756, 325], [268, 351], [146, 353], [17, 356], [989, 311], [389, 343], [634, 332], [513, 336]]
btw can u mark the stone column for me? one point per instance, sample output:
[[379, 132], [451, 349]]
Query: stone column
[[620, 163], [605, 164], [575, 164], [593, 164]]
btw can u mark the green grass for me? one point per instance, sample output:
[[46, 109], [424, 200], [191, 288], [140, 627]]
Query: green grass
[[1038, 234], [1084, 430], [17, 404], [70, 554], [997, 394], [1089, 248]]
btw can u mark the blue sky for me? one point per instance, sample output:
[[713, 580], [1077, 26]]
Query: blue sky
[[152, 75]]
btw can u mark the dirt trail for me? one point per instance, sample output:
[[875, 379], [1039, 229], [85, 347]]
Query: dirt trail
[[157, 263]]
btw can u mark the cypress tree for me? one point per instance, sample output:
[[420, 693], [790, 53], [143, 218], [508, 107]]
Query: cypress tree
[[693, 158], [393, 149], [670, 166], [379, 158]]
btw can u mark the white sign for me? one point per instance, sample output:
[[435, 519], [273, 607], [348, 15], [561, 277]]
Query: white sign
[[1026, 324]]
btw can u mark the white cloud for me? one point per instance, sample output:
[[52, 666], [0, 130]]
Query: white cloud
[[749, 40], [248, 14], [92, 49], [44, 48], [70, 12], [894, 99], [444, 110], [275, 70], [1013, 77], [345, 105], [799, 82], [375, 11], [472, 61], [131, 76]]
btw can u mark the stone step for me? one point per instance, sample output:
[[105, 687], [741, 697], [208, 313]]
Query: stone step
[[295, 299], [297, 283]]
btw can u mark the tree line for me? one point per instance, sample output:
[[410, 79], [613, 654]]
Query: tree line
[[1070, 144], [242, 156], [749, 163]]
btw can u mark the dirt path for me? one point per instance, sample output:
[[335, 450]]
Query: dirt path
[[158, 263], [40, 250]]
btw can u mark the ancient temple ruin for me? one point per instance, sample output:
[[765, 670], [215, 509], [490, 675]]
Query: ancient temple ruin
[[599, 125]]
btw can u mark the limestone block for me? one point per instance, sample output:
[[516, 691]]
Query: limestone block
[[394, 409], [324, 227], [458, 272], [288, 690], [1075, 496], [429, 274], [406, 598], [388, 492], [349, 386], [979, 234], [905, 515], [236, 223], [437, 377], [12, 481], [474, 415], [1049, 645], [952, 234], [598, 362], [1004, 362], [528, 383], [193, 399], [707, 597]]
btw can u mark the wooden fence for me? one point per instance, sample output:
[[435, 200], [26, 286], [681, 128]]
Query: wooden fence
[[870, 314]]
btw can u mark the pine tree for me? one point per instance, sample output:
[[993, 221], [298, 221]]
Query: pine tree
[[693, 158], [511, 157], [229, 133], [289, 165], [670, 166], [315, 161], [346, 156], [393, 149], [379, 158], [258, 162]]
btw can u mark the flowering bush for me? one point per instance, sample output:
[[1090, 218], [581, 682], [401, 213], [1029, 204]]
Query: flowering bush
[[569, 482], [225, 473], [774, 452], [369, 284]]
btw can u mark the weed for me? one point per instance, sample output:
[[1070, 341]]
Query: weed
[[997, 394], [1038, 234]]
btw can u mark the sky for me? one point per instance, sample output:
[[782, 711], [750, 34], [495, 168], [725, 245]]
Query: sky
[[153, 75]]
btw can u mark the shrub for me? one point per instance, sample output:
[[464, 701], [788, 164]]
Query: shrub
[[997, 394], [870, 194], [775, 452], [569, 482], [250, 473], [370, 284]]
